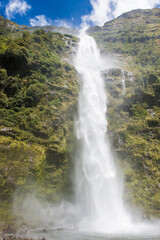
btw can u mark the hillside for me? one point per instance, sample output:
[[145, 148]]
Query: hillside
[[136, 34], [8, 27], [38, 92], [134, 114]]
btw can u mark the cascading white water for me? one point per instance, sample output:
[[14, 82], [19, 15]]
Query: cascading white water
[[123, 81], [98, 191]]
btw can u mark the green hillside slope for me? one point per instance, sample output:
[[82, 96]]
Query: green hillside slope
[[134, 116], [38, 92]]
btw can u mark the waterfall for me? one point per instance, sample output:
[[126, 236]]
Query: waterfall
[[123, 81], [99, 206], [99, 195]]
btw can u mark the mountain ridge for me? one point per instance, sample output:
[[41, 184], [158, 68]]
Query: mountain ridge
[[12, 26]]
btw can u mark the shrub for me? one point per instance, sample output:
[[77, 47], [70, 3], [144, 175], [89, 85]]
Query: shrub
[[15, 59], [34, 94]]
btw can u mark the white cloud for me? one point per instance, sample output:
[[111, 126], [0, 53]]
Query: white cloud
[[127, 5], [100, 12], [105, 10], [16, 7], [40, 20]]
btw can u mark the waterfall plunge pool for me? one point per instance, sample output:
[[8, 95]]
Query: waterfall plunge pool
[[63, 234]]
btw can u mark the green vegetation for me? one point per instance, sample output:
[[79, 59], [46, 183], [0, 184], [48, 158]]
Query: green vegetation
[[38, 92], [133, 34], [134, 121], [142, 144], [7, 27], [134, 117]]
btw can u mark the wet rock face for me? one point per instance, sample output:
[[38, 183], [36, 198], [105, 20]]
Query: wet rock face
[[133, 127], [15, 237], [117, 73], [113, 78]]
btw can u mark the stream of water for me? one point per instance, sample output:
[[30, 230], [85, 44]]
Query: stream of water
[[123, 81], [77, 235], [99, 194]]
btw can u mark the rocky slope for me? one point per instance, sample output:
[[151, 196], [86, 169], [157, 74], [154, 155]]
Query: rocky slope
[[38, 93], [134, 115]]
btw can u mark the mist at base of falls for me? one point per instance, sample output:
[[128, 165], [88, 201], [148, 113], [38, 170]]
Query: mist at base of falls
[[99, 202], [62, 220]]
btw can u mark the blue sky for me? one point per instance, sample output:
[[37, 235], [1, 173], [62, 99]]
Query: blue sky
[[69, 12]]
